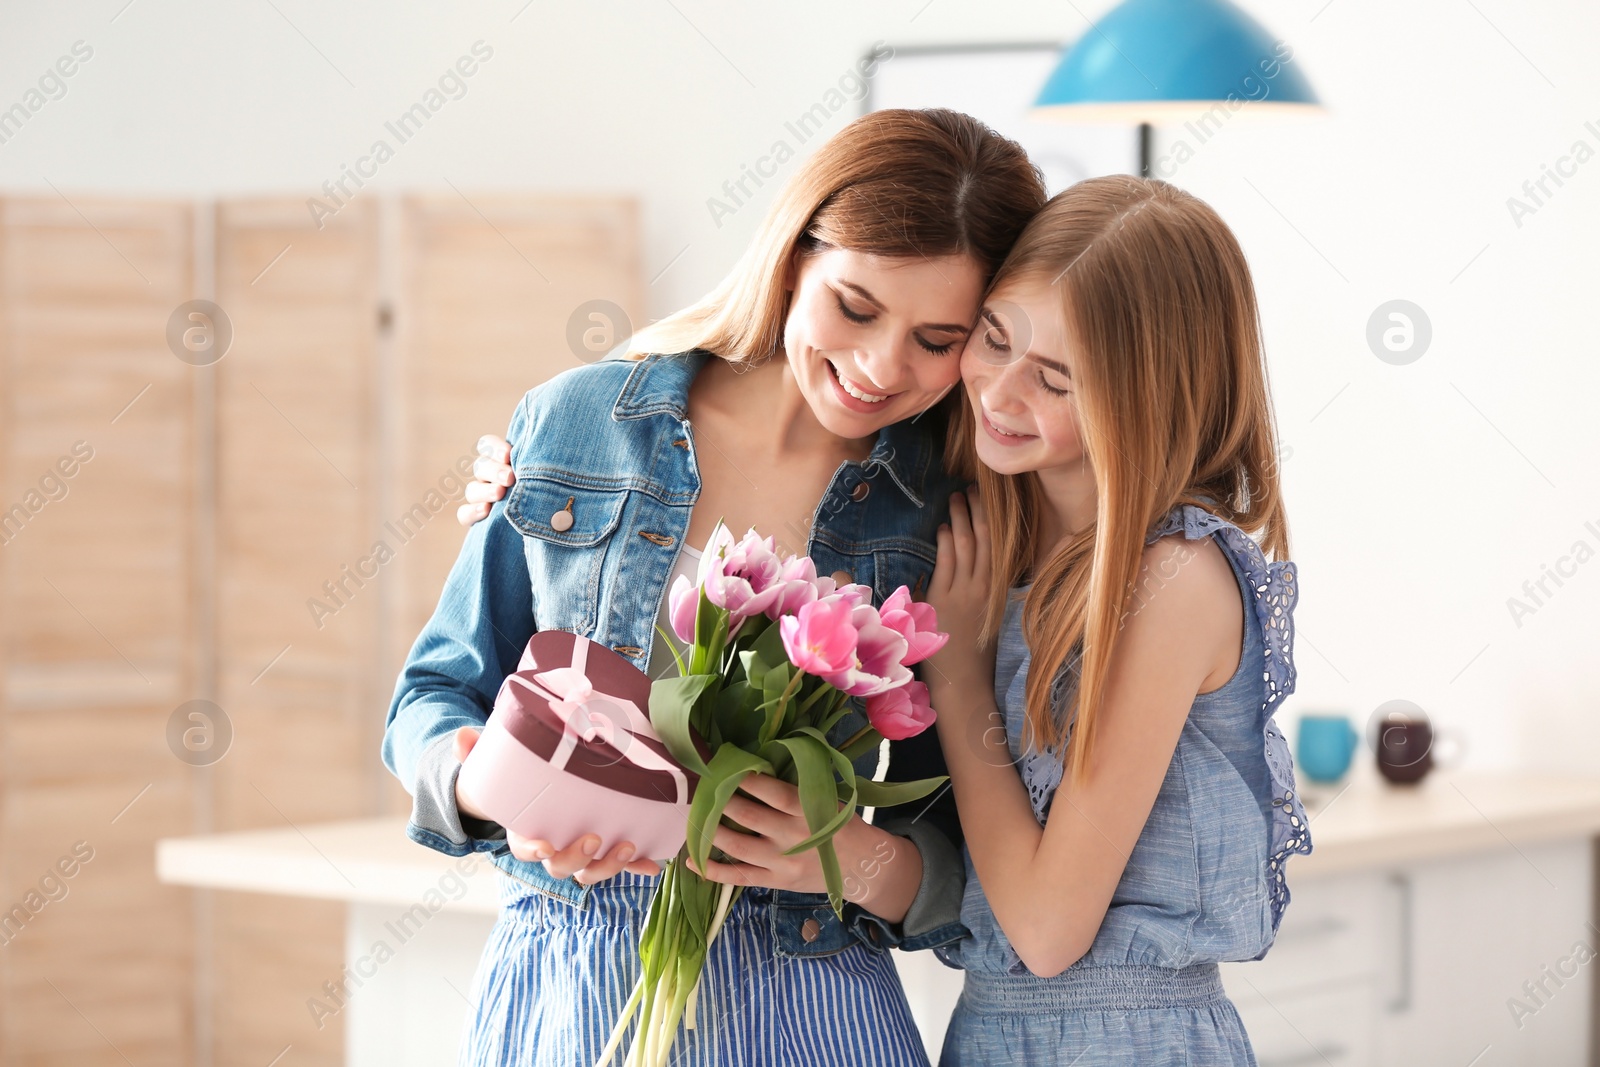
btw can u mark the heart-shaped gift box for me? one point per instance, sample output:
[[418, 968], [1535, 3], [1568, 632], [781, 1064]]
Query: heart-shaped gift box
[[569, 750]]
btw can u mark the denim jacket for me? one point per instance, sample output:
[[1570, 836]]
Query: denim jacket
[[610, 444]]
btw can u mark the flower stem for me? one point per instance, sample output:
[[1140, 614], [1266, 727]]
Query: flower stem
[[622, 1023], [724, 904], [853, 738]]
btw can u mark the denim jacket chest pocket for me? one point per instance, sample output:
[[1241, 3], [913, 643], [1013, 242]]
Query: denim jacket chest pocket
[[566, 529]]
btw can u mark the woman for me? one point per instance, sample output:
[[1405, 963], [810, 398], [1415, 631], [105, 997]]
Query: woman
[[790, 404]]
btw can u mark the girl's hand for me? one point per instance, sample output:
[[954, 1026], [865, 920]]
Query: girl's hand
[[491, 473], [959, 592], [772, 812], [576, 860]]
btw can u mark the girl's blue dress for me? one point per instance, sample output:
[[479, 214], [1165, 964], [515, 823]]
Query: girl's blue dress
[[1204, 882]]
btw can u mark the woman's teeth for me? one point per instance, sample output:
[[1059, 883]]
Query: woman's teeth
[[845, 384]]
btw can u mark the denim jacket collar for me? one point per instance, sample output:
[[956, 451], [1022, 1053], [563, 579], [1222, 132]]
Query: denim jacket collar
[[659, 385]]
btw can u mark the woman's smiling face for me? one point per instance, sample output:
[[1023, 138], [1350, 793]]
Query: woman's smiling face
[[873, 340]]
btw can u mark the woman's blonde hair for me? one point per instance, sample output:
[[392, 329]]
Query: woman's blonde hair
[[1174, 407], [892, 183]]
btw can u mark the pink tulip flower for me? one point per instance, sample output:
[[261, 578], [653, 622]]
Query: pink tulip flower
[[902, 712], [741, 576], [683, 603], [879, 651], [819, 638], [797, 575], [917, 623]]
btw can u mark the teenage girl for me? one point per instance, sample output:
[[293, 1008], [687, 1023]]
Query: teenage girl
[[788, 400], [1120, 641]]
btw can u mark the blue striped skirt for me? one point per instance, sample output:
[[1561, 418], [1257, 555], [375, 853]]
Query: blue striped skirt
[[555, 977]]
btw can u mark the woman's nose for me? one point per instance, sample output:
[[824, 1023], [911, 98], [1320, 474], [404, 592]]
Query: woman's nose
[[883, 366]]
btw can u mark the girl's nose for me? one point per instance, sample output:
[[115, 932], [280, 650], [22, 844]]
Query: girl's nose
[[997, 388]]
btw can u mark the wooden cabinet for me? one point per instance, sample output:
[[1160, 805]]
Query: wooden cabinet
[[186, 558]]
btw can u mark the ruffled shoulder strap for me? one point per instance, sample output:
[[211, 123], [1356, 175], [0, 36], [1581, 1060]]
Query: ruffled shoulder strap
[[1276, 587]]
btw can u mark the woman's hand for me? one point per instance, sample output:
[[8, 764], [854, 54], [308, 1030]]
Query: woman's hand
[[959, 592], [576, 860], [881, 871], [491, 473]]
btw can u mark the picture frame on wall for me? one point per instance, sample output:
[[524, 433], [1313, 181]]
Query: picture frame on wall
[[997, 83]]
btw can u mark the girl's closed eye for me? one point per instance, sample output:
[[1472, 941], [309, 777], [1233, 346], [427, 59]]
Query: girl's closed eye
[[1050, 387], [994, 334]]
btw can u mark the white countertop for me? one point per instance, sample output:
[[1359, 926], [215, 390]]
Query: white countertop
[[1365, 823], [368, 861]]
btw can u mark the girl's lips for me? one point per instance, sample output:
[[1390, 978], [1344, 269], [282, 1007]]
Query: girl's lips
[[851, 402], [1010, 440]]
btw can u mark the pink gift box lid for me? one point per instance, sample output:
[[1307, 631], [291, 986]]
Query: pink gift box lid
[[525, 713]]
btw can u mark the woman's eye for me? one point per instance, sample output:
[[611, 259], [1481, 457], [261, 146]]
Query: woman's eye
[[938, 350], [995, 338], [1051, 388], [853, 316]]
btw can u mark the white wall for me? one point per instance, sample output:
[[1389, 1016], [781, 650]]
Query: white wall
[[1422, 496]]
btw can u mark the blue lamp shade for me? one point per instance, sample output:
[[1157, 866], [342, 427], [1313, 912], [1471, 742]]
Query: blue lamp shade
[[1160, 61]]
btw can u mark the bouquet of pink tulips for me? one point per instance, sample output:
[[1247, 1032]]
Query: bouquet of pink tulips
[[775, 656]]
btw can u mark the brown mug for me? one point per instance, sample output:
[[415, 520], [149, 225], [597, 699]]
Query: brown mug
[[1405, 749]]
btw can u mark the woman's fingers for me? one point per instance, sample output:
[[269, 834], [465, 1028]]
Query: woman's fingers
[[467, 514], [495, 447], [606, 866], [528, 849], [773, 792], [728, 873], [464, 740], [492, 469], [481, 492]]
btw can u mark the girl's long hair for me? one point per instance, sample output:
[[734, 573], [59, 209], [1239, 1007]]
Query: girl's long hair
[[1174, 408], [896, 182]]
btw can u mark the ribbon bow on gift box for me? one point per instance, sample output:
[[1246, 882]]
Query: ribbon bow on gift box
[[587, 714]]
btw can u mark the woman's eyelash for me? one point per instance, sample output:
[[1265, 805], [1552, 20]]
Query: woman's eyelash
[[851, 315], [861, 320]]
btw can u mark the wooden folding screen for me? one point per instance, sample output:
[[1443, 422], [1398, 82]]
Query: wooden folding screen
[[208, 511]]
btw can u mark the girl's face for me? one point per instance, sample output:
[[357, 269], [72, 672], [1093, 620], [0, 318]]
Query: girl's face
[[1017, 369], [872, 340]]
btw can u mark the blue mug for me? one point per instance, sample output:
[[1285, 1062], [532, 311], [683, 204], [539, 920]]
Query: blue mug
[[1324, 747]]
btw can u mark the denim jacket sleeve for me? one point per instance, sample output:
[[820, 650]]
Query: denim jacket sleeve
[[473, 640], [934, 828]]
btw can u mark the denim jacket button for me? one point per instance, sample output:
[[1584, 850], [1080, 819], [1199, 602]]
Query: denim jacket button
[[872, 934], [859, 493], [810, 930], [842, 578], [561, 521]]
